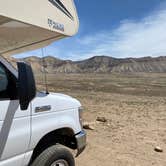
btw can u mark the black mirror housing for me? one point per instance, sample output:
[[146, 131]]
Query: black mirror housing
[[26, 85]]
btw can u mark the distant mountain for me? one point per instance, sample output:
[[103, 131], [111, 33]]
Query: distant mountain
[[98, 64]]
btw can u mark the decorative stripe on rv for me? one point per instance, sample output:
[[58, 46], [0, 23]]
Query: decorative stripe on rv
[[61, 7]]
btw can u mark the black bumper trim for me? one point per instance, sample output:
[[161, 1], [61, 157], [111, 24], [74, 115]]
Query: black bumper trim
[[81, 142]]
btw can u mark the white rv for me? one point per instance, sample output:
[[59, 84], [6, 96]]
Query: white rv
[[36, 128]]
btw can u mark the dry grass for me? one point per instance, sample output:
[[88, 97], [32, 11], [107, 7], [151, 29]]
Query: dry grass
[[135, 106]]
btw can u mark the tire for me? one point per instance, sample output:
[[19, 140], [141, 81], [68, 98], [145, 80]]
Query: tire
[[56, 155]]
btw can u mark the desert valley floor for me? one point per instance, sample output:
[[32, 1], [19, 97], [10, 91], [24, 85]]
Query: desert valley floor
[[134, 106]]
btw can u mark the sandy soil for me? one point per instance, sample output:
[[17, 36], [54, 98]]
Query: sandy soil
[[135, 107], [135, 126]]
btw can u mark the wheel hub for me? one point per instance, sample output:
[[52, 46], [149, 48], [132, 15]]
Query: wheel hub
[[60, 163]]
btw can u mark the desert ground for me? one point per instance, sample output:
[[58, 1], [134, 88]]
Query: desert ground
[[135, 108]]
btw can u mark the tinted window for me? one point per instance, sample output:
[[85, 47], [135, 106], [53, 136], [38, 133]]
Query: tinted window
[[8, 88], [3, 82]]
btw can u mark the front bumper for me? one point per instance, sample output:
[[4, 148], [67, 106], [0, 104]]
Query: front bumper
[[81, 142]]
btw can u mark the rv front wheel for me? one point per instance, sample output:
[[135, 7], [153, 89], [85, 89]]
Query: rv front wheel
[[56, 155]]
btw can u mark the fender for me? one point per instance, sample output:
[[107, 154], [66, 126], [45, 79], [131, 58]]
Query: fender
[[45, 123]]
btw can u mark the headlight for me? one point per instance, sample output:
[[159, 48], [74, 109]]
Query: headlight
[[80, 110]]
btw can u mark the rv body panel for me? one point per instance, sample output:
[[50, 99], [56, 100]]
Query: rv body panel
[[28, 25]]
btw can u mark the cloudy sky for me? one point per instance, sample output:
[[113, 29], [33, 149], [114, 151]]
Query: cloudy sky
[[117, 28]]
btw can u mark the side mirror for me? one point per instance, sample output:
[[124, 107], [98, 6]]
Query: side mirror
[[26, 85]]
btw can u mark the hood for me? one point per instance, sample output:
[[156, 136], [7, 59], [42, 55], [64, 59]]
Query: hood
[[57, 101]]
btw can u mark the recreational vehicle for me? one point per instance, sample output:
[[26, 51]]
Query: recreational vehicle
[[36, 128]]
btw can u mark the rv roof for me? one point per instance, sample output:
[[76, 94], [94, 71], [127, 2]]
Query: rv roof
[[27, 25]]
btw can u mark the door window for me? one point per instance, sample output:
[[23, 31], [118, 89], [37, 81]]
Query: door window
[[3, 82], [8, 88]]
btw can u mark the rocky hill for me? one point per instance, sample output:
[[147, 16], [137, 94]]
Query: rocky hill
[[98, 64]]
